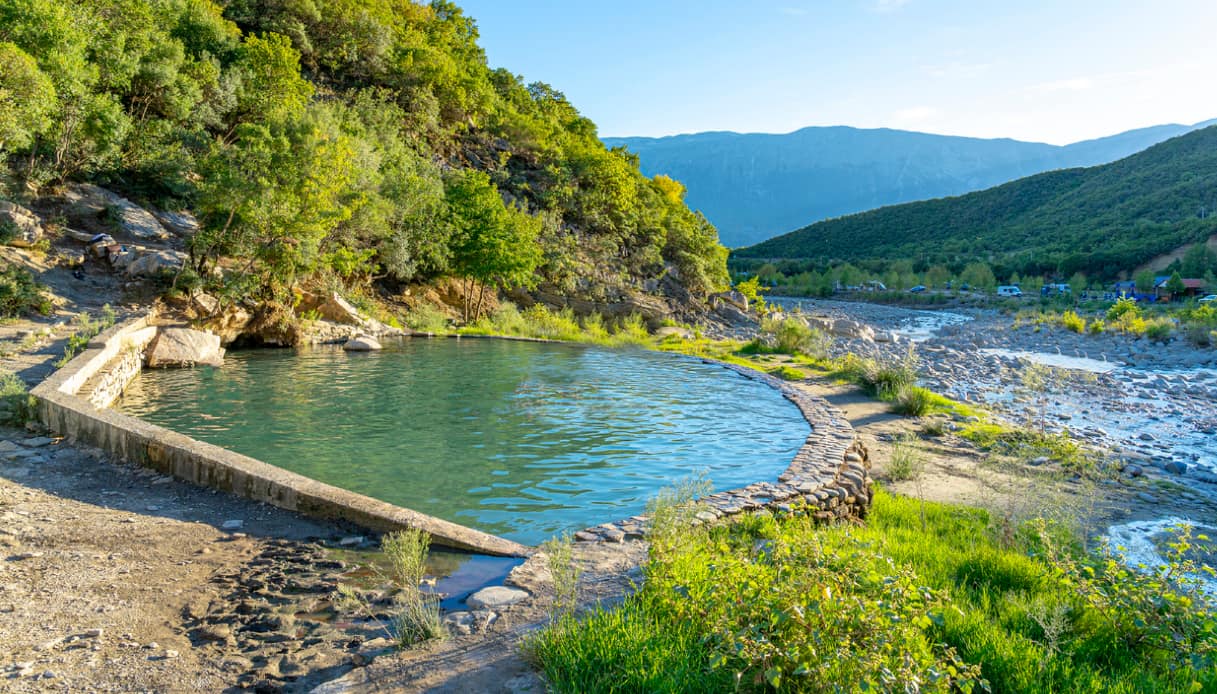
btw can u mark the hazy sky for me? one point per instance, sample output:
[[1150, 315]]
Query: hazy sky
[[1046, 70]]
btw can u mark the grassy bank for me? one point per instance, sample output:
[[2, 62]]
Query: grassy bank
[[922, 598]]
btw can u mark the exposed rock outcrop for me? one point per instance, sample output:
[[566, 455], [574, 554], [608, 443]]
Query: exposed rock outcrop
[[98, 205], [25, 227], [183, 347]]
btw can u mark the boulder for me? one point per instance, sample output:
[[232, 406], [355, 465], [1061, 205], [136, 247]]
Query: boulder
[[183, 347], [495, 598], [362, 343], [24, 226], [87, 200], [150, 263], [331, 307], [180, 223]]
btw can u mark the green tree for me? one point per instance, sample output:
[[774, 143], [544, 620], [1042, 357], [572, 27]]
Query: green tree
[[979, 276], [492, 243], [27, 99], [937, 276], [269, 199], [1175, 286], [1077, 284], [1198, 260], [1144, 281]]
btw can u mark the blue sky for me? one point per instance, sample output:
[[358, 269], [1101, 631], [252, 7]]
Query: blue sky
[[1050, 71]]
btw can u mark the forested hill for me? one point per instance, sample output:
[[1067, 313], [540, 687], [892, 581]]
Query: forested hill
[[1099, 220], [335, 141], [756, 186]]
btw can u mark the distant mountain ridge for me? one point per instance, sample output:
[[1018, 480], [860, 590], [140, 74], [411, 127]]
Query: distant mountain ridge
[[757, 186], [1101, 220]]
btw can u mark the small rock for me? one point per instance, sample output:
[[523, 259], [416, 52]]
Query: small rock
[[171, 654], [232, 525], [351, 541], [38, 442], [1176, 467], [92, 633], [495, 597]]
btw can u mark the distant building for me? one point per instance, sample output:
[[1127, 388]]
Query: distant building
[[1192, 287]]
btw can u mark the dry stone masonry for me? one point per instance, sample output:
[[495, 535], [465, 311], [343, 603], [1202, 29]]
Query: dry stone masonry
[[829, 476]]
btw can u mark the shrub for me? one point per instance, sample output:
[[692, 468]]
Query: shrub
[[20, 293], [1073, 322], [1096, 327], [884, 380], [906, 462], [790, 336], [1123, 306], [913, 401], [427, 318], [17, 406], [1159, 329]]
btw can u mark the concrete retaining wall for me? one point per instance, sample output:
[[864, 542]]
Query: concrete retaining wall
[[71, 403]]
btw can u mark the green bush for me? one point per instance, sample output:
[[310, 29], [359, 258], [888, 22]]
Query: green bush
[[1072, 322], [789, 336], [913, 401], [1123, 306], [20, 293], [1096, 327], [1159, 329], [16, 403], [892, 606]]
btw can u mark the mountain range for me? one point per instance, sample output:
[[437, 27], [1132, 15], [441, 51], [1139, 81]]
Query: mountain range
[[1101, 220], [757, 186]]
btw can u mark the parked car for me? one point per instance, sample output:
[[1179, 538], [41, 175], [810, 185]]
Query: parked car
[[1209, 299], [918, 289], [1009, 290]]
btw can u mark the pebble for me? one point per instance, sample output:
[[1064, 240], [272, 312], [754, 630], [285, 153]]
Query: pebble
[[232, 525]]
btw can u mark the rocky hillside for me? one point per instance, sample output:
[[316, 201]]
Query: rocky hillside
[[756, 186], [363, 145], [1100, 220]]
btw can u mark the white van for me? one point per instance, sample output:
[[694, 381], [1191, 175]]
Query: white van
[[1009, 290]]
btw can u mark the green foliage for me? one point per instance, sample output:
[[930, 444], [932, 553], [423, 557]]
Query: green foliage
[[86, 330], [1123, 306], [20, 293], [751, 289], [1099, 221], [564, 571], [920, 596], [349, 140], [913, 401], [1072, 322], [882, 379], [493, 243], [17, 406], [789, 336], [788, 373], [27, 99]]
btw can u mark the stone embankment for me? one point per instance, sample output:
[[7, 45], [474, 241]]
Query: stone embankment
[[829, 476]]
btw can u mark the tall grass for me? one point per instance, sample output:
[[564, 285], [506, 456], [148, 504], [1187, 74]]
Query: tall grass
[[903, 604]]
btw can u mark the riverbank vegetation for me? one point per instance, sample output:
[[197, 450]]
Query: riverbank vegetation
[[924, 595], [336, 144], [1195, 322]]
